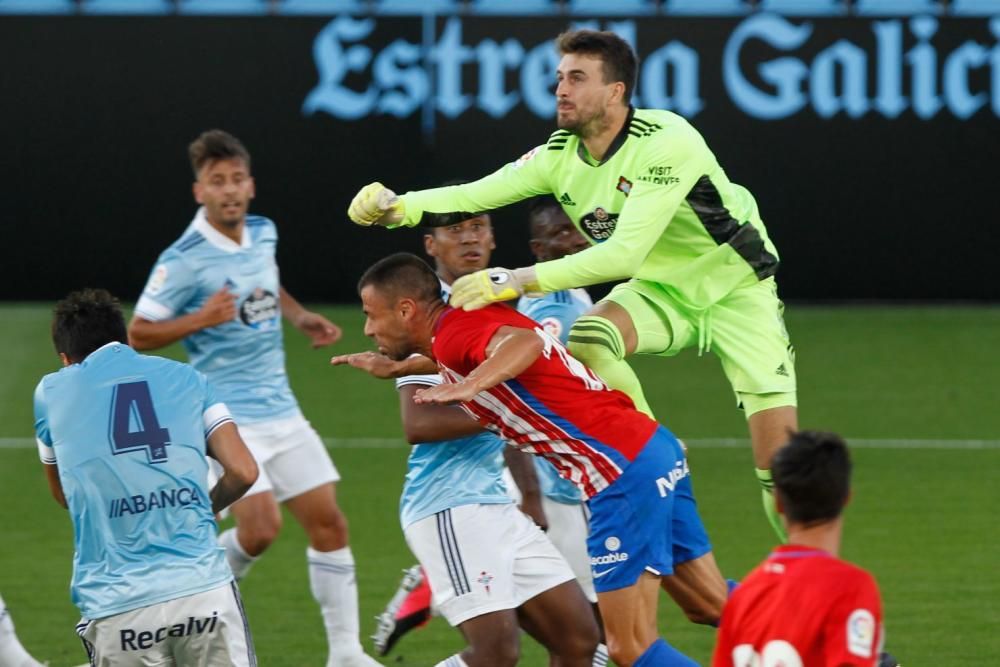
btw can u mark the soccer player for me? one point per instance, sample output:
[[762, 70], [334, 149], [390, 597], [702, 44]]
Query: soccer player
[[123, 438], [518, 380], [489, 567], [647, 192], [803, 605], [12, 652], [217, 289]]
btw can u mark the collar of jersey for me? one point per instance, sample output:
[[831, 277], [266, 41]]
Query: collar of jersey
[[215, 237], [104, 347], [797, 551], [617, 143]]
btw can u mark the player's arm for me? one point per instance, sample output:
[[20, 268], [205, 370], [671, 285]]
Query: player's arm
[[377, 205], [382, 367], [239, 470], [428, 423], [146, 334], [510, 351], [46, 452], [321, 331], [522, 469], [55, 484]]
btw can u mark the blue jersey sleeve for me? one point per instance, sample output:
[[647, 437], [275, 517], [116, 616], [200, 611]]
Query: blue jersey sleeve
[[171, 285], [46, 452]]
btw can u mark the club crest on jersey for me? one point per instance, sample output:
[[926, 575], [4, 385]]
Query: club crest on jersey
[[524, 158], [599, 224], [260, 310], [624, 186]]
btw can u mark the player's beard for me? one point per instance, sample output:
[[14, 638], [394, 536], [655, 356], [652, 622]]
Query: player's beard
[[584, 127]]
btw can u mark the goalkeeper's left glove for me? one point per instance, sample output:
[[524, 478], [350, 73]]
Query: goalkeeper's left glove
[[493, 285], [376, 204]]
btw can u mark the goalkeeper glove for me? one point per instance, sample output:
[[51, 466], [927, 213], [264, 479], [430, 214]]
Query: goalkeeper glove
[[376, 204], [493, 285]]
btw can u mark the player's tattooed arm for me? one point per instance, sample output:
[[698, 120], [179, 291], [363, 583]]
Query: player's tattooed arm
[[239, 469], [321, 331], [510, 351], [382, 367]]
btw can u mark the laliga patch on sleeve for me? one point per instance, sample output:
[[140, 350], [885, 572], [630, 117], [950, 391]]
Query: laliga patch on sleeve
[[157, 280], [552, 326], [524, 158], [861, 633]]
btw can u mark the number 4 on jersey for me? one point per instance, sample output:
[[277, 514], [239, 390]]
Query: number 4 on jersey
[[132, 406]]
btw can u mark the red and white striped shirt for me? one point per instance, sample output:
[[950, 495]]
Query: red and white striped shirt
[[556, 408]]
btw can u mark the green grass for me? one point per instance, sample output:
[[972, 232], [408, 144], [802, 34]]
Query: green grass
[[921, 519]]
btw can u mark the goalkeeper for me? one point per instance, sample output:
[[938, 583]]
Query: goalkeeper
[[651, 198]]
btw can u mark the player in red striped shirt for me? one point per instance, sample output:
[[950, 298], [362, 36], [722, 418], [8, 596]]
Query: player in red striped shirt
[[518, 380], [803, 605]]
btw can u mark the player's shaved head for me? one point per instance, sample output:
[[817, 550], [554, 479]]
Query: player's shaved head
[[214, 145], [618, 58], [540, 213], [402, 275], [812, 476], [86, 320]]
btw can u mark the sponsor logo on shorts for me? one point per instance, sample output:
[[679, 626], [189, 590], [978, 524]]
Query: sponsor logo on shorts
[[667, 484], [142, 640], [260, 310], [162, 499], [612, 543], [607, 559]]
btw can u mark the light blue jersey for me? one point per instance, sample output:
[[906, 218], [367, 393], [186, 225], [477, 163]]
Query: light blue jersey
[[244, 358], [128, 433], [451, 473], [556, 312]]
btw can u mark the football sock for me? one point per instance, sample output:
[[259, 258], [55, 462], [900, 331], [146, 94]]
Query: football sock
[[239, 560], [333, 585], [731, 585], [662, 654], [453, 661], [600, 656], [770, 508], [597, 343], [11, 651]]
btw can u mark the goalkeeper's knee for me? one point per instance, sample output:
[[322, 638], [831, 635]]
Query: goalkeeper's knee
[[597, 343], [595, 339]]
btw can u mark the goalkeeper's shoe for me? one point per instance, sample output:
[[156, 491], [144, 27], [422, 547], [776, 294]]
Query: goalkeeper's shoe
[[376, 204], [409, 608]]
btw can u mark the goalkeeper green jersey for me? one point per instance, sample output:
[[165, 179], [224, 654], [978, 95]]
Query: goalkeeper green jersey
[[657, 207]]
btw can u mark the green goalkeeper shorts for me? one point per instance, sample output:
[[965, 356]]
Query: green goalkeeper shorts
[[745, 329]]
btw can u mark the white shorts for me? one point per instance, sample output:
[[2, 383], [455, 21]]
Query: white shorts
[[207, 628], [568, 528], [290, 455], [484, 558]]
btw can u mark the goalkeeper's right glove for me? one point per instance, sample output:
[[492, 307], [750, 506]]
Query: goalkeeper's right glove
[[376, 204]]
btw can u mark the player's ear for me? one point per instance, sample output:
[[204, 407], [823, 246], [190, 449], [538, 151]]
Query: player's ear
[[537, 250], [65, 359], [196, 189], [429, 245], [253, 188]]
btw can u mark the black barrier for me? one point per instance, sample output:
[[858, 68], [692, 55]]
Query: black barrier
[[868, 142]]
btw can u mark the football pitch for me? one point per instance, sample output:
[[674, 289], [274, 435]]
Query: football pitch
[[916, 390]]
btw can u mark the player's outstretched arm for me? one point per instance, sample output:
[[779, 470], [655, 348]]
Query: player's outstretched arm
[[321, 331], [239, 470], [427, 424], [146, 334], [382, 367], [510, 352]]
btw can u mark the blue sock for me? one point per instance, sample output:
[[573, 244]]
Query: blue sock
[[662, 654], [731, 585]]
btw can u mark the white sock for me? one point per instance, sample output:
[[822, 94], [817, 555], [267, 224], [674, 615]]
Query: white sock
[[453, 661], [12, 653], [333, 584], [600, 656], [239, 560]]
